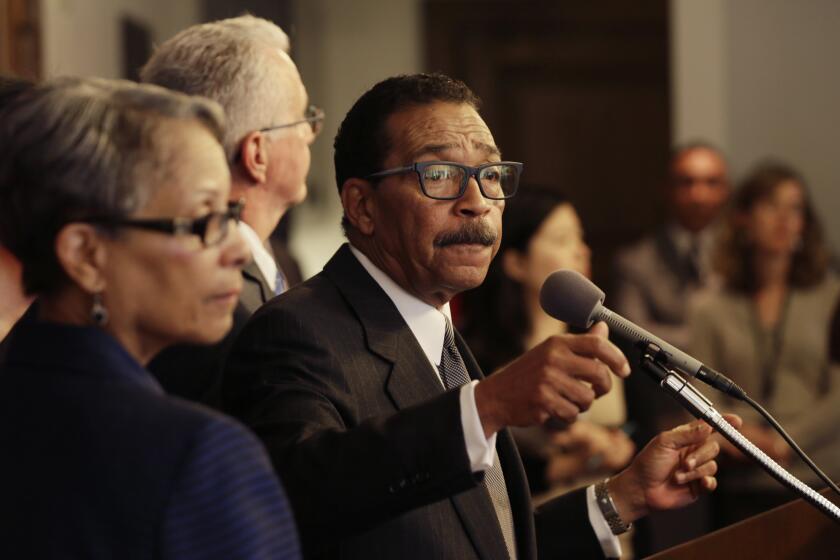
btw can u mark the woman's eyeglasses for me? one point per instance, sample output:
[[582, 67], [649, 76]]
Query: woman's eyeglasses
[[211, 228]]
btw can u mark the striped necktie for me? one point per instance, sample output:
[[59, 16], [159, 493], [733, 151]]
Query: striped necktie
[[693, 264], [454, 374]]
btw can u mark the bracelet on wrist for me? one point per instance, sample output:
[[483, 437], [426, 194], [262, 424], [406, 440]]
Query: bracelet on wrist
[[607, 507]]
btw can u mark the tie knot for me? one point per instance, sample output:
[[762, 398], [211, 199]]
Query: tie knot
[[452, 368], [448, 335]]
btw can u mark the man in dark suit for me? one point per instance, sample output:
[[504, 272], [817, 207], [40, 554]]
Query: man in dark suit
[[391, 442], [243, 64]]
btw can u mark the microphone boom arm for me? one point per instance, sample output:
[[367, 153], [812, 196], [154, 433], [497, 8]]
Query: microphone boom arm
[[701, 407]]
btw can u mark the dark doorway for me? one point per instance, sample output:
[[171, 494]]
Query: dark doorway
[[579, 91]]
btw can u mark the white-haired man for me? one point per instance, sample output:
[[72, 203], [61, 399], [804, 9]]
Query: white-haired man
[[243, 64]]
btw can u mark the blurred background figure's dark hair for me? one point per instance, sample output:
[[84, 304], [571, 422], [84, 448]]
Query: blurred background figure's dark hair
[[495, 314], [734, 253]]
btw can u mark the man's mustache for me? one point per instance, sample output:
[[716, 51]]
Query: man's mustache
[[474, 233]]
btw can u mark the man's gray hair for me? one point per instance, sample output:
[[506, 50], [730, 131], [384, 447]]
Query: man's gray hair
[[229, 62], [75, 148]]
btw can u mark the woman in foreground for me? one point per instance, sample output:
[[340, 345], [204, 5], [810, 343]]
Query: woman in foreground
[[114, 198]]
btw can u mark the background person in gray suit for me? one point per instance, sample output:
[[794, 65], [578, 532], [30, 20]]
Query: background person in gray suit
[[243, 64], [654, 280], [655, 277], [374, 411]]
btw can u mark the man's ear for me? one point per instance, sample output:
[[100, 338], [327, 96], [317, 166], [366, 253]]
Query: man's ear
[[513, 264], [253, 157], [82, 254], [357, 197]]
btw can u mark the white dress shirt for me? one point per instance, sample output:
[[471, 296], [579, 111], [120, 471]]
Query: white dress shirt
[[265, 262], [428, 325]]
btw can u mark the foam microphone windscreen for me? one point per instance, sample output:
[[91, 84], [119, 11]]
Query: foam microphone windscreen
[[569, 296]]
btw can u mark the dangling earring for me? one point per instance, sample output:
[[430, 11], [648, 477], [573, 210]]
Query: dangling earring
[[98, 311]]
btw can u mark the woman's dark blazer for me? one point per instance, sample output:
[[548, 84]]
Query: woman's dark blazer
[[97, 462]]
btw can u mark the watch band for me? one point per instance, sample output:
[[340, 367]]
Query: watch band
[[607, 507]]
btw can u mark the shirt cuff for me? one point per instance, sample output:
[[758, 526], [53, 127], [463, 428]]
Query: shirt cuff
[[610, 544], [480, 449]]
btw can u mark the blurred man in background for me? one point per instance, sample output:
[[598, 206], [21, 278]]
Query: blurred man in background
[[654, 281], [656, 276]]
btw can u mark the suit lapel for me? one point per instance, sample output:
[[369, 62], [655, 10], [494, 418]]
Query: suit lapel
[[411, 380]]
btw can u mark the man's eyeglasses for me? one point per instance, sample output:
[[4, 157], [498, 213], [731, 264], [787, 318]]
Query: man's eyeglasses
[[212, 228], [447, 180], [313, 115]]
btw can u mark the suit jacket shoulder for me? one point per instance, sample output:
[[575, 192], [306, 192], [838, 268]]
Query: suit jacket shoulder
[[652, 286]]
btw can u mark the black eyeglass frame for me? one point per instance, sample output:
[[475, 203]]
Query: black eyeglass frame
[[313, 115], [469, 171], [178, 226]]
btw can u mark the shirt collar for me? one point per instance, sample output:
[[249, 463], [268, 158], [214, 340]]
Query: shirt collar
[[683, 239], [427, 323], [265, 262]]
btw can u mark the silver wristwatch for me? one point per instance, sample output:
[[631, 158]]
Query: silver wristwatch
[[607, 507]]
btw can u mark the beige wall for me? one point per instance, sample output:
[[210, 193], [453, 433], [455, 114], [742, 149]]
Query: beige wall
[[759, 78], [698, 71], [81, 37], [342, 49]]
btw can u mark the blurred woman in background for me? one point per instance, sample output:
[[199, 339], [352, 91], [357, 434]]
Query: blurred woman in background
[[503, 319], [114, 198], [768, 329]]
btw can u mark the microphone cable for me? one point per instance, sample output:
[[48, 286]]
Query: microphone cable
[[802, 455]]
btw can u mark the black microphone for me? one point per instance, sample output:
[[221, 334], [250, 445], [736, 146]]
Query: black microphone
[[570, 297]]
